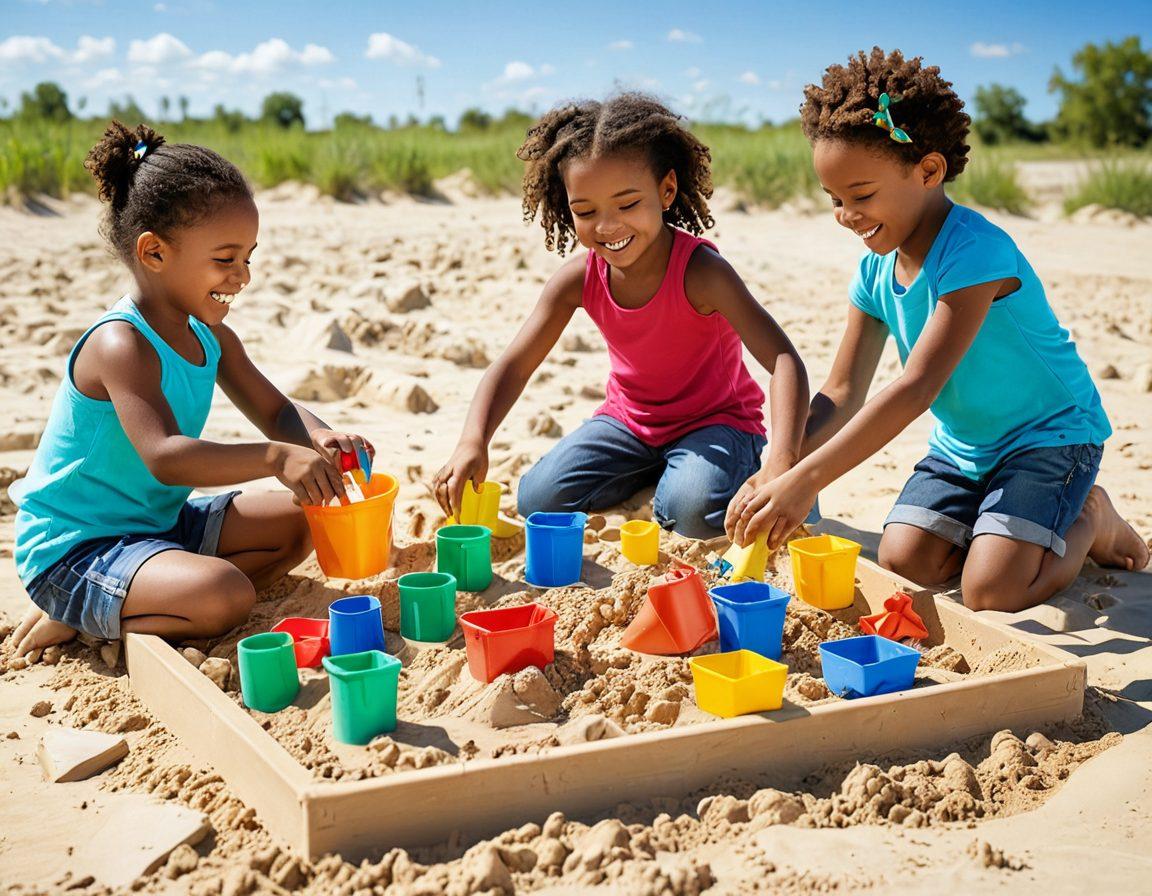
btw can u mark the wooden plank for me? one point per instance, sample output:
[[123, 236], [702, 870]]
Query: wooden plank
[[487, 796], [221, 735]]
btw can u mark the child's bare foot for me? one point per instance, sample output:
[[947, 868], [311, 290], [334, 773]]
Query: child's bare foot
[[36, 631], [1116, 544]]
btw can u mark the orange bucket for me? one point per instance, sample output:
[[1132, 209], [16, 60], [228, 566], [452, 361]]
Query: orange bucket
[[353, 541]]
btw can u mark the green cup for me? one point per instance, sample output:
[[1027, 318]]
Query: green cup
[[466, 553], [427, 606], [268, 679], [363, 688]]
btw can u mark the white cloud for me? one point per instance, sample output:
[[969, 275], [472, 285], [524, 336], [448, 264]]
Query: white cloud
[[339, 83], [383, 45], [271, 57], [518, 71], [749, 77], [983, 50], [680, 36], [161, 7], [106, 77], [701, 86], [621, 45], [162, 49], [21, 48], [692, 72], [89, 49], [546, 69]]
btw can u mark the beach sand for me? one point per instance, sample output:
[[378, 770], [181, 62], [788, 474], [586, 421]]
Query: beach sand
[[382, 317]]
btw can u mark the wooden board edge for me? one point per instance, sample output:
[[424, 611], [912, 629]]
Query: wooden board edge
[[220, 734]]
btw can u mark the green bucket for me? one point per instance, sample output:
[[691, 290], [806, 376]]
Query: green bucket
[[427, 606], [363, 687], [465, 552], [268, 679]]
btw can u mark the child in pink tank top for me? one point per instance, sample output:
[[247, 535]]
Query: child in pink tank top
[[625, 180]]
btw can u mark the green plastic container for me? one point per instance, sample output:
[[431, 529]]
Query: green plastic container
[[268, 679], [427, 606], [363, 687], [466, 553]]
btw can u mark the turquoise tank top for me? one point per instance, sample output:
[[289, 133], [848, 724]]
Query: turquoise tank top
[[86, 480]]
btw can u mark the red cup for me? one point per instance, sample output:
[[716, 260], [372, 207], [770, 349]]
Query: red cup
[[508, 639], [309, 639]]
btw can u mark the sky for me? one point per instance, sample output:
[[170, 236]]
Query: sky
[[746, 61]]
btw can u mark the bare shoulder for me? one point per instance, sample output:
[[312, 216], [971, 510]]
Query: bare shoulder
[[117, 342], [709, 279], [566, 286], [226, 336]]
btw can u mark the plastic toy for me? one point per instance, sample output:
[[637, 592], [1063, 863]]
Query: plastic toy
[[867, 665], [508, 639], [751, 617], [355, 625], [824, 570], [738, 683], [555, 548], [309, 639], [465, 552], [354, 541], [427, 606], [640, 541], [268, 679], [676, 618], [363, 688], [898, 622]]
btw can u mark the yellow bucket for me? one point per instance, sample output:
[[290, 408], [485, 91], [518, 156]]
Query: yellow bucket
[[824, 570], [738, 683], [482, 508], [640, 541], [749, 562]]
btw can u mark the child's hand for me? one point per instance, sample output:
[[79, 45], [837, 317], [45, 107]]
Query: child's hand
[[331, 443], [469, 462], [312, 476], [761, 477], [776, 508]]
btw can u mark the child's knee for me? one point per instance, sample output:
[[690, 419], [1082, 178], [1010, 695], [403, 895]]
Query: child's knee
[[912, 563], [299, 544], [689, 512], [538, 492], [227, 601]]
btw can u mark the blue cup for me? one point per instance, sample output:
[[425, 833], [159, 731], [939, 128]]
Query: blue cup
[[355, 624], [555, 548], [751, 617], [867, 665]]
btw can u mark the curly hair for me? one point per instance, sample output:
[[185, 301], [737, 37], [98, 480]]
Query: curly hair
[[841, 108], [625, 123], [163, 187]]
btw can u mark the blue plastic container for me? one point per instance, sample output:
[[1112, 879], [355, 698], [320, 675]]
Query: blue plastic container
[[751, 617], [355, 625], [867, 665], [555, 548]]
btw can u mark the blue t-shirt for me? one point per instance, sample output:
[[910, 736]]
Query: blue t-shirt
[[1021, 384]]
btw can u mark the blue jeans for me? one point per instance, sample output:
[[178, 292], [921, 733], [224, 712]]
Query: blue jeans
[[85, 589], [602, 463]]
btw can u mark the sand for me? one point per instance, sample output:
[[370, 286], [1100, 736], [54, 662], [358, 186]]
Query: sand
[[392, 310]]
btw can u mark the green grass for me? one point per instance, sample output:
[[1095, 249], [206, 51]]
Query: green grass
[[990, 180], [766, 166], [1124, 184]]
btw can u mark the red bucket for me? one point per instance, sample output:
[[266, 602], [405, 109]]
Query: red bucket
[[508, 639]]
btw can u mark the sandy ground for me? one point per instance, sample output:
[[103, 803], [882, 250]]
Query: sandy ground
[[329, 278]]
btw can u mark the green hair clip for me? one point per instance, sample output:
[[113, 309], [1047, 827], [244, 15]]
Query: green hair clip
[[883, 119]]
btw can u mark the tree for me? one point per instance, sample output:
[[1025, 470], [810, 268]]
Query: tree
[[46, 102], [165, 107], [128, 112], [230, 119], [350, 120], [284, 109], [1000, 115], [1112, 101], [474, 120], [183, 108]]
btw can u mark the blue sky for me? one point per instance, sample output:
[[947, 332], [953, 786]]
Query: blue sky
[[746, 61]]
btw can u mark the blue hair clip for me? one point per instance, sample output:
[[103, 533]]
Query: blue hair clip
[[141, 150]]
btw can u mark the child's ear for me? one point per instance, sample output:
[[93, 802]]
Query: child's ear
[[150, 251], [933, 169], [668, 188]]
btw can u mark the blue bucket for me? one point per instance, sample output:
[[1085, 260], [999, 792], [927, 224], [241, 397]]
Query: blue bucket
[[355, 625], [555, 548], [751, 617], [867, 665]]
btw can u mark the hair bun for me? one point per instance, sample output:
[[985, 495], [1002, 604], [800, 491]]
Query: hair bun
[[114, 159]]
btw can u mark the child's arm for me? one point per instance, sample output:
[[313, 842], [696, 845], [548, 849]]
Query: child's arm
[[505, 380], [118, 364], [272, 412], [712, 285], [780, 506]]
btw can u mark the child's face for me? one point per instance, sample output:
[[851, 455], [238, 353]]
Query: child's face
[[617, 205], [205, 266], [877, 197]]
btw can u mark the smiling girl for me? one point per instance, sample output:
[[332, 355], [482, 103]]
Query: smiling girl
[[1006, 493], [107, 540], [626, 181]]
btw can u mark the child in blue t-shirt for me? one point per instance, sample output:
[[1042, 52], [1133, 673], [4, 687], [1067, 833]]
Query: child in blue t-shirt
[[1006, 494]]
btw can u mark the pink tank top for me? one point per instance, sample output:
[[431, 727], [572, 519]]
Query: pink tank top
[[673, 369]]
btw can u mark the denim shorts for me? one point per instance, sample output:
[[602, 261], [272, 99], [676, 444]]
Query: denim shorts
[[1033, 495], [86, 588]]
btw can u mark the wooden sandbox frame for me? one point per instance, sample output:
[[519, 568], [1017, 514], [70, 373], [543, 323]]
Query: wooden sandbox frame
[[481, 797]]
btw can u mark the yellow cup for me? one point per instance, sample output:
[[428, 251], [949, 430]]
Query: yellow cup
[[738, 683], [824, 570], [749, 562], [640, 541]]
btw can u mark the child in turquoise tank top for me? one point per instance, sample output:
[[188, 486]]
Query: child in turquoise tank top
[[1006, 495], [107, 540]]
